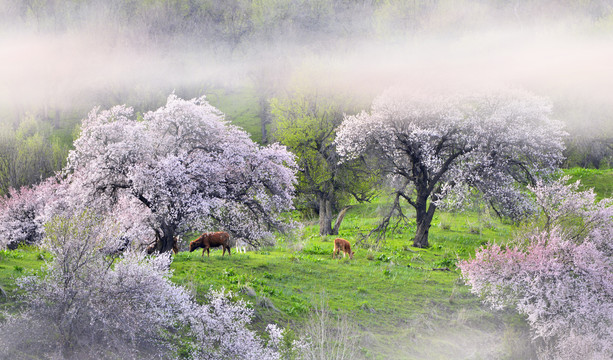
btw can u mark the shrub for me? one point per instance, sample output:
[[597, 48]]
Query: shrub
[[87, 305], [329, 336], [560, 278]]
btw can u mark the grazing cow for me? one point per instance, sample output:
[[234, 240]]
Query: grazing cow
[[344, 246], [208, 240]]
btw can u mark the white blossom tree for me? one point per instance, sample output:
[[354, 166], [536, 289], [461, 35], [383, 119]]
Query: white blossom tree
[[437, 147], [186, 168]]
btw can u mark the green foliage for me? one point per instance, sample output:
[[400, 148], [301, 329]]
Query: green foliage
[[600, 180], [307, 125], [32, 151]]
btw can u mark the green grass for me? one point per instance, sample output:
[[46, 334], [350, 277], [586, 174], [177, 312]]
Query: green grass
[[241, 108], [402, 300], [600, 180], [15, 264], [389, 289]]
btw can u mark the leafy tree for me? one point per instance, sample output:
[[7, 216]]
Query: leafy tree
[[186, 168], [560, 278], [28, 154], [307, 125], [437, 147]]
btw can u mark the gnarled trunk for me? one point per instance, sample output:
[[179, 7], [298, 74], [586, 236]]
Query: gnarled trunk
[[424, 215], [339, 220], [164, 238]]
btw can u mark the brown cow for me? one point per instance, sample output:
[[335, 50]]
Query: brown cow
[[208, 240], [344, 246]]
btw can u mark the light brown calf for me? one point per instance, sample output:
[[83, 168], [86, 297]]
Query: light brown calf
[[208, 240], [344, 246]]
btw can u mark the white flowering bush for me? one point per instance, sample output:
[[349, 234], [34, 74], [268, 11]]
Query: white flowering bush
[[85, 304]]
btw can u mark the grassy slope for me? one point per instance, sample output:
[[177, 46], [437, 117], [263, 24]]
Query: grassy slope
[[240, 107], [403, 308], [600, 180]]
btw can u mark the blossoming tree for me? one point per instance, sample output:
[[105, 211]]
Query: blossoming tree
[[560, 278], [185, 167], [436, 148]]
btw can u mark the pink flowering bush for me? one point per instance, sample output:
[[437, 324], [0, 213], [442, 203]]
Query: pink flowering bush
[[19, 221], [560, 278], [23, 213]]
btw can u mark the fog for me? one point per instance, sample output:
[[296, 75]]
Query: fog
[[562, 51]]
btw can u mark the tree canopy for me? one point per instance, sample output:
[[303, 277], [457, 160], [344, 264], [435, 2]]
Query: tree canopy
[[185, 168], [435, 147], [307, 125]]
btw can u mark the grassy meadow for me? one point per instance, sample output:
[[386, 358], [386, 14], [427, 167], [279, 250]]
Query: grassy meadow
[[400, 302]]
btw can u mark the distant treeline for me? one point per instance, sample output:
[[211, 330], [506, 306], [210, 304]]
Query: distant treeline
[[31, 152], [236, 22]]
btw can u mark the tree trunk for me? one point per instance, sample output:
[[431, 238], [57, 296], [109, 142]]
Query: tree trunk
[[424, 215], [165, 239], [339, 220], [325, 216]]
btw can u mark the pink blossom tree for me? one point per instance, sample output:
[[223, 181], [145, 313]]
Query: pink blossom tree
[[23, 212], [184, 167], [19, 222], [560, 278], [438, 147]]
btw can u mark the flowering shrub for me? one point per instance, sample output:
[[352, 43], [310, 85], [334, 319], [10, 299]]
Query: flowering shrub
[[23, 212], [560, 278], [19, 221], [87, 305]]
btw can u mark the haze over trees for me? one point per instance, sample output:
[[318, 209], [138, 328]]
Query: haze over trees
[[136, 52], [161, 166], [437, 147]]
